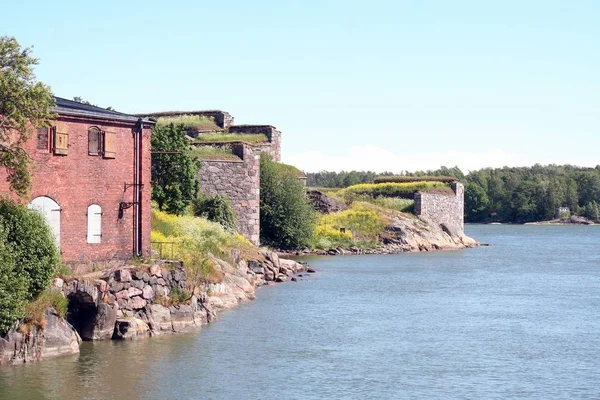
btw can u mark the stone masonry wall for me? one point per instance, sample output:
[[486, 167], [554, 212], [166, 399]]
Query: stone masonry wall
[[443, 208], [273, 147], [240, 182]]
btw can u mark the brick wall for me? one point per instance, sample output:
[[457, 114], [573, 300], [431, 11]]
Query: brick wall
[[77, 180], [443, 208], [240, 182]]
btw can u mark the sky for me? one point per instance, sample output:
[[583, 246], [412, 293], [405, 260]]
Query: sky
[[370, 85]]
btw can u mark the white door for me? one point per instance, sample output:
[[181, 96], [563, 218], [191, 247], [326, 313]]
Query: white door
[[51, 212]]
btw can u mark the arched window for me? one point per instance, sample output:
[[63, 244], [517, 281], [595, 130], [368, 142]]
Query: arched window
[[94, 228], [94, 141], [51, 212]]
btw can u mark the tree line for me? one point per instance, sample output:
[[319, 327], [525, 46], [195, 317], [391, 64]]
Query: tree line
[[509, 194]]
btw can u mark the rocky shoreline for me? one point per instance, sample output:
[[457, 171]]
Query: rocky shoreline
[[135, 302], [405, 233]]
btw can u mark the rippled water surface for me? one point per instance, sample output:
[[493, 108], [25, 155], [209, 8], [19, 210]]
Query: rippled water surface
[[516, 320]]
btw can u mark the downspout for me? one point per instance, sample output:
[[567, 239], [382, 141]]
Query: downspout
[[137, 192]]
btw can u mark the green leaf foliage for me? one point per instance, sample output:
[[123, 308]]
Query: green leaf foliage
[[25, 104], [13, 286], [287, 219], [31, 242], [217, 209], [174, 169]]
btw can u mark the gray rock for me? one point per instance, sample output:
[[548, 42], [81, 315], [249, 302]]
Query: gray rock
[[130, 329], [104, 323], [136, 303], [148, 292], [123, 275], [155, 270], [138, 284], [132, 291], [56, 339], [159, 318], [146, 277], [182, 318], [116, 287], [255, 267]]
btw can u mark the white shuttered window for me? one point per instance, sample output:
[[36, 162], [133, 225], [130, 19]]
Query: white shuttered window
[[94, 217]]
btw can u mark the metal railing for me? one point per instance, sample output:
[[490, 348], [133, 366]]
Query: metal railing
[[160, 247]]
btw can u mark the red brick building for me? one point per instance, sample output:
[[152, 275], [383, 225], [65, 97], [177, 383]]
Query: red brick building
[[91, 179]]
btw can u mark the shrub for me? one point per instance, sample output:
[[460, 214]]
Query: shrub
[[287, 218], [405, 179], [13, 287], [32, 244], [217, 209]]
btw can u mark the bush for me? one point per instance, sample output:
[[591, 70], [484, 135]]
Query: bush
[[405, 179], [13, 287], [216, 209], [287, 219], [30, 240]]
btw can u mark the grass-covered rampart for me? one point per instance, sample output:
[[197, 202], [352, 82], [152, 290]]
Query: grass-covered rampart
[[189, 122], [404, 190], [407, 179], [249, 138]]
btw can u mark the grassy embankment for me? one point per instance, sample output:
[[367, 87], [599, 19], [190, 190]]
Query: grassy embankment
[[371, 205], [195, 239]]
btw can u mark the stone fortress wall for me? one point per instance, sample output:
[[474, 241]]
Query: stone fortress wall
[[443, 209], [237, 178], [240, 182]]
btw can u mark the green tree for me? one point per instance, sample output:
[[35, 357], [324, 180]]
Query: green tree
[[591, 211], [25, 104], [287, 219], [30, 240], [174, 169], [477, 203]]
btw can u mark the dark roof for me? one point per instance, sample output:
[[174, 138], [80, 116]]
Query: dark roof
[[70, 107]]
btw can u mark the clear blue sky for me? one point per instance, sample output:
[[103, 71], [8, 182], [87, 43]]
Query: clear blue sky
[[380, 85]]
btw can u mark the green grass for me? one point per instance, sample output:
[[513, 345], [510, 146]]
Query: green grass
[[214, 153], [360, 225], [198, 122], [233, 137]]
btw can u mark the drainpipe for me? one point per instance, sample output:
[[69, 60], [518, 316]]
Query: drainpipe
[[137, 192]]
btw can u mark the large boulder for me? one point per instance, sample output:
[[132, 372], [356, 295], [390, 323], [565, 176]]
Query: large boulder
[[104, 323], [24, 344], [130, 329], [182, 317]]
